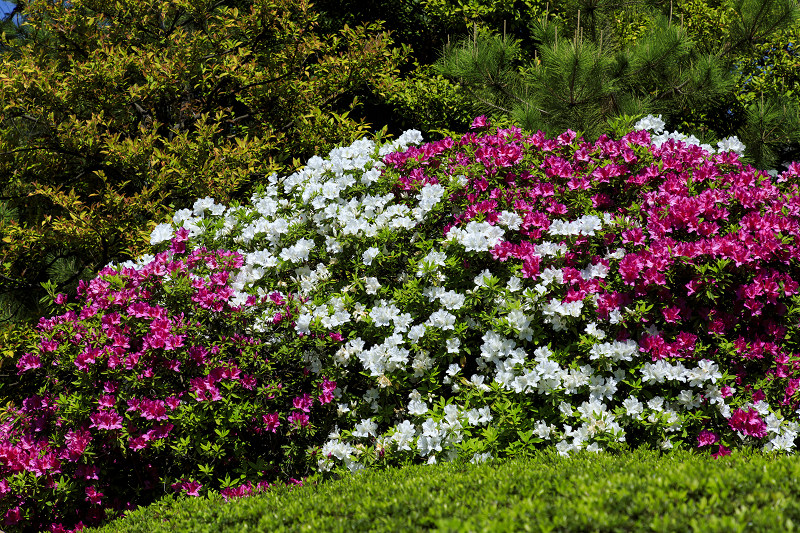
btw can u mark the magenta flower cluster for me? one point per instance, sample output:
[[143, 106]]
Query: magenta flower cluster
[[141, 381]]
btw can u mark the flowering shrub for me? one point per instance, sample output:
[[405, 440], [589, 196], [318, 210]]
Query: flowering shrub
[[148, 382], [478, 298]]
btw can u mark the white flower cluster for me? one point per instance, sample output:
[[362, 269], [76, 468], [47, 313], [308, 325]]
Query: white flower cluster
[[586, 225], [656, 125], [431, 262], [650, 123], [550, 249], [731, 144], [430, 438], [161, 233], [662, 371], [555, 311], [615, 351], [477, 236], [596, 419], [429, 196]]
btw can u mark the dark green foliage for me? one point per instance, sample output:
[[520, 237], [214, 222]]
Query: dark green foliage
[[428, 102], [771, 72], [428, 25], [639, 491], [587, 72]]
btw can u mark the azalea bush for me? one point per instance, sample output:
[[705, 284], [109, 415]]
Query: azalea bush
[[148, 383], [474, 298]]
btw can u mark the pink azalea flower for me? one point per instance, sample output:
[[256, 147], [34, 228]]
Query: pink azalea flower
[[172, 342], [173, 402], [28, 362], [92, 496], [107, 400], [138, 443], [153, 410], [328, 386], [87, 357], [133, 405], [480, 122], [271, 421], [159, 432], [566, 138], [214, 394], [76, 443], [182, 235], [107, 420], [243, 490], [13, 516], [299, 418], [303, 402], [48, 345], [248, 382], [706, 438], [721, 452], [748, 422], [672, 314], [629, 268], [191, 488]]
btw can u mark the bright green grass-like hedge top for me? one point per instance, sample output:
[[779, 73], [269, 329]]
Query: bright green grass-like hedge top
[[479, 298], [641, 491]]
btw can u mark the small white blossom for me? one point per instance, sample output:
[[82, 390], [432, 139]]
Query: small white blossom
[[370, 254], [161, 233], [453, 345], [366, 428], [416, 406], [633, 407], [372, 285], [650, 123], [731, 144]]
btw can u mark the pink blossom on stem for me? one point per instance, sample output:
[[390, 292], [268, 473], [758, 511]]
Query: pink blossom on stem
[[480, 122], [93, 496], [28, 362], [303, 402], [76, 443], [721, 452], [107, 420], [706, 438], [191, 488], [748, 422], [299, 418], [13, 516], [271, 421]]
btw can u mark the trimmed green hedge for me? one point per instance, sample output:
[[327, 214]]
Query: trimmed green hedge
[[639, 491]]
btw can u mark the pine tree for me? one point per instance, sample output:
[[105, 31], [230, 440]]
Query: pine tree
[[589, 81]]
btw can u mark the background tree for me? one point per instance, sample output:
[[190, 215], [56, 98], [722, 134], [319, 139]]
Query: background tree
[[115, 113], [591, 70], [9, 19]]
